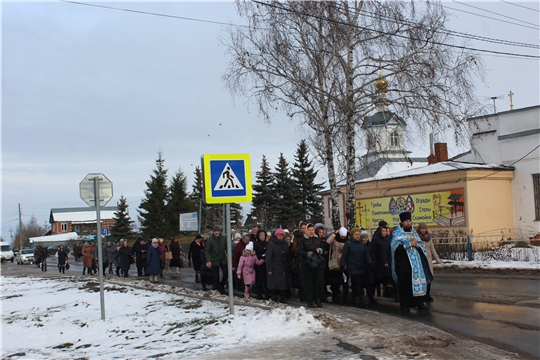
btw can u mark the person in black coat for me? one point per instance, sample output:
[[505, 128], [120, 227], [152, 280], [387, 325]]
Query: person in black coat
[[62, 259], [381, 272], [194, 255], [124, 256], [278, 265], [259, 247], [141, 251], [312, 278], [371, 269], [207, 275]]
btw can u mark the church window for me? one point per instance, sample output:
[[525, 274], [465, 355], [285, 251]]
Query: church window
[[394, 138]]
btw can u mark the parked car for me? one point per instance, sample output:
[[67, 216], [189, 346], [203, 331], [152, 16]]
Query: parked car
[[6, 254], [26, 256]]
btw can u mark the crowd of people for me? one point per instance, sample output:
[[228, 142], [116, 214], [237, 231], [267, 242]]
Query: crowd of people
[[307, 261], [345, 266]]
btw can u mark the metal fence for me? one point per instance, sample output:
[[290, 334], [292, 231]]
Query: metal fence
[[499, 247]]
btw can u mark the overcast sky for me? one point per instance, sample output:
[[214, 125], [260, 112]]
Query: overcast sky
[[87, 89]]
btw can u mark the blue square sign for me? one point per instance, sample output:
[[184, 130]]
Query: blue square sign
[[227, 178]]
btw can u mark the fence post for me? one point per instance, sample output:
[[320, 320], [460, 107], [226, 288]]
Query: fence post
[[469, 248]]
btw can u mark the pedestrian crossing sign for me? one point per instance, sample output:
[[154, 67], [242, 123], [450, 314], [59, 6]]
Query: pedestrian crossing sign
[[227, 178]]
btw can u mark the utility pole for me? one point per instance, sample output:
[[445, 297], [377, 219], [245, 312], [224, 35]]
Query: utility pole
[[20, 228], [11, 235]]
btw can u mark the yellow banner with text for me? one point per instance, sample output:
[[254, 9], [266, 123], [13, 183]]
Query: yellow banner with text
[[441, 208]]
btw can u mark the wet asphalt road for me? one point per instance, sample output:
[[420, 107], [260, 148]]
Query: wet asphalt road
[[499, 310]]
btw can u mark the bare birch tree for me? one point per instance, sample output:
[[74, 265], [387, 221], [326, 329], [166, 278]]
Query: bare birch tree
[[319, 61]]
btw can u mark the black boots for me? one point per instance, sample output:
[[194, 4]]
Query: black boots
[[197, 279]]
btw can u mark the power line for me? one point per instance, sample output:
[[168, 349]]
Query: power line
[[291, 10], [525, 7], [512, 164], [493, 12], [489, 17], [397, 35], [453, 32], [154, 14]]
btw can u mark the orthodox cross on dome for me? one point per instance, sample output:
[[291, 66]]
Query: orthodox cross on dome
[[381, 84]]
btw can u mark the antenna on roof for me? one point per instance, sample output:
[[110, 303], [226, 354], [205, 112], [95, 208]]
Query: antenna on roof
[[493, 98]]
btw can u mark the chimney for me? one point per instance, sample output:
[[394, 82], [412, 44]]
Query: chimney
[[441, 152]]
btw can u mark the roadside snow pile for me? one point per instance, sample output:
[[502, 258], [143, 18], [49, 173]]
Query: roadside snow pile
[[60, 319], [491, 264]]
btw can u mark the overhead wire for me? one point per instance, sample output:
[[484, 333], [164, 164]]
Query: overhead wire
[[451, 32], [495, 13], [512, 164], [152, 13], [521, 6], [397, 35], [489, 17]]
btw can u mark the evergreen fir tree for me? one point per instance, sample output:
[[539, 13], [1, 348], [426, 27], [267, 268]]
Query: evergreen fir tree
[[197, 198], [123, 226], [152, 210], [307, 201], [283, 187], [263, 198], [178, 203]]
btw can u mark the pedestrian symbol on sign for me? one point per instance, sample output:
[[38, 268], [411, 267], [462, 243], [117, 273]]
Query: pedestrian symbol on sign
[[228, 180]]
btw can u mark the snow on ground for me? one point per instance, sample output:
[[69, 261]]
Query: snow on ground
[[60, 319], [491, 264]]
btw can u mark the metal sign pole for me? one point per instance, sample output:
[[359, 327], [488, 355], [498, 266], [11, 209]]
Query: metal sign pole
[[229, 257], [100, 249]]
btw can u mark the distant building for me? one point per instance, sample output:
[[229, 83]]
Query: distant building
[[511, 138], [386, 151], [82, 221]]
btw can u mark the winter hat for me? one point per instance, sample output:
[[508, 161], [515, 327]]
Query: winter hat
[[237, 236], [198, 236], [343, 231], [216, 228], [354, 230], [280, 232], [154, 240], [404, 216], [318, 227], [286, 231], [268, 233], [383, 223], [422, 225], [364, 234], [249, 246]]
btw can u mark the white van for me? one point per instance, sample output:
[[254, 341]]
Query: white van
[[5, 252]]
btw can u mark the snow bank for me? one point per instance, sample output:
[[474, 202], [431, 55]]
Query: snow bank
[[60, 319]]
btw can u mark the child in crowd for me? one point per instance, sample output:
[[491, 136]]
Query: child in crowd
[[245, 268]]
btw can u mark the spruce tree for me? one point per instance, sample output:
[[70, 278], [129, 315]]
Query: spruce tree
[[178, 203], [263, 198], [197, 198], [307, 200], [152, 210], [123, 226], [283, 188]]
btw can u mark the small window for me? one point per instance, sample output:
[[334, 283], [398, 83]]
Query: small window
[[394, 138], [64, 227], [536, 190]]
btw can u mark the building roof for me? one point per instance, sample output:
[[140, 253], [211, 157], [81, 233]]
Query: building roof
[[58, 237], [385, 165], [381, 118], [436, 168], [81, 215], [504, 112]]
